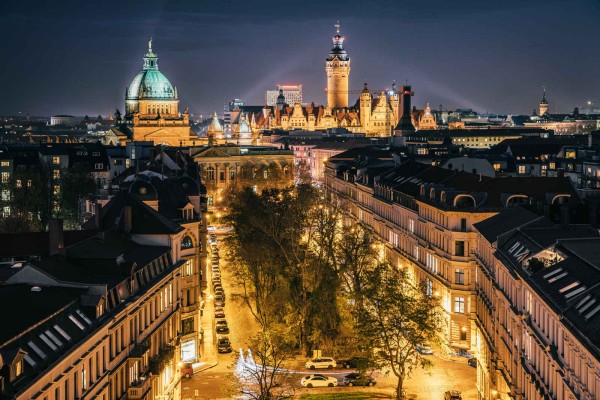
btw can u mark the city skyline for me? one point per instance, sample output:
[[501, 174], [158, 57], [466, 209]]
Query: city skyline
[[78, 59]]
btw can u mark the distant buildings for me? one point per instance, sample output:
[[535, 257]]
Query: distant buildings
[[228, 167], [292, 94], [152, 110], [66, 120]]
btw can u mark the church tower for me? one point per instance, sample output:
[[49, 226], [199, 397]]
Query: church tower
[[543, 104], [337, 67], [365, 107], [395, 103]]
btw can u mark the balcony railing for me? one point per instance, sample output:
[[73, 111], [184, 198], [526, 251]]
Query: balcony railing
[[138, 389]]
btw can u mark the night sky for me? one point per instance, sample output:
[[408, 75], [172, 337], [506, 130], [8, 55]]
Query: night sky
[[77, 57]]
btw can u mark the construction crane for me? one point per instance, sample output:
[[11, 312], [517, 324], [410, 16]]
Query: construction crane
[[356, 91]]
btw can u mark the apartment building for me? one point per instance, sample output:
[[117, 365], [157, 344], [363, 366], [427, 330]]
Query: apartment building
[[110, 316], [537, 306], [427, 218]]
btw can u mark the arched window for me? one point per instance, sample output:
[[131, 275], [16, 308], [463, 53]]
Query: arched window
[[432, 193], [187, 243], [516, 200], [560, 199], [464, 201]]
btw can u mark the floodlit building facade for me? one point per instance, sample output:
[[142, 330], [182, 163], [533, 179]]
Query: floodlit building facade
[[533, 337]]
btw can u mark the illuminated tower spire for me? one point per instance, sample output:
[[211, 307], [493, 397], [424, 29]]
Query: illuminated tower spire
[[543, 104], [337, 68], [150, 59]]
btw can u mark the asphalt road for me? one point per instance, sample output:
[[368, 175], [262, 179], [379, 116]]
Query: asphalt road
[[218, 382]]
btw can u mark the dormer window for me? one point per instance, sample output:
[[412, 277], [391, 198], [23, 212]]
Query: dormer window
[[422, 190], [18, 368], [432, 193]]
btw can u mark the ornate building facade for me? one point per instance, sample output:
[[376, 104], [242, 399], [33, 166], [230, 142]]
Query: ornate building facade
[[152, 108], [374, 114]]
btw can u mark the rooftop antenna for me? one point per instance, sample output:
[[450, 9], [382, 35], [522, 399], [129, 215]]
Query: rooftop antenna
[[337, 27]]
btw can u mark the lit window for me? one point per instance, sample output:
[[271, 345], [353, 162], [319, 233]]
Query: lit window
[[56, 160], [18, 183], [187, 268], [19, 368], [5, 164], [459, 305], [522, 169], [56, 174], [5, 177]]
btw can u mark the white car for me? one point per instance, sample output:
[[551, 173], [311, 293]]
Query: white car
[[318, 381], [424, 348], [321, 362]]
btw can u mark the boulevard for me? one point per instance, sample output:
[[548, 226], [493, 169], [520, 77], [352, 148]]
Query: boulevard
[[218, 382]]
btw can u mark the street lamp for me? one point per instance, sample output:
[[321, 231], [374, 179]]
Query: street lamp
[[218, 218]]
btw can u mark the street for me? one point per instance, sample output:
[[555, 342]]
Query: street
[[218, 383]]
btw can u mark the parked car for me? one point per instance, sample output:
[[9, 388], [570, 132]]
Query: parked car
[[318, 381], [219, 292], [222, 326], [322, 362], [187, 370], [452, 395], [211, 228], [472, 362], [219, 312], [220, 303], [354, 362], [356, 379], [224, 345], [424, 348]]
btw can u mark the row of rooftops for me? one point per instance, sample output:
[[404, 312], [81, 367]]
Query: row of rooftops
[[386, 171], [60, 295], [567, 276]]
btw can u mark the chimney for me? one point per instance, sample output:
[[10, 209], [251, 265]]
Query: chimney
[[56, 241], [98, 215], [127, 218]]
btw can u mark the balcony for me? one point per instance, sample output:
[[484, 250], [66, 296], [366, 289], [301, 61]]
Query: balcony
[[189, 308], [139, 389]]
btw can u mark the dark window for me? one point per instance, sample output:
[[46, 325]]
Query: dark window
[[187, 326], [187, 243], [463, 334], [222, 175], [463, 224], [459, 248], [459, 277]]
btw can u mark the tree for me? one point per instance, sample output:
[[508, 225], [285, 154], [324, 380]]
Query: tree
[[75, 183], [266, 376], [395, 317]]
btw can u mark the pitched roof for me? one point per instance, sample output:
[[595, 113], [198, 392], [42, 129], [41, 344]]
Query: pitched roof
[[505, 221], [144, 219]]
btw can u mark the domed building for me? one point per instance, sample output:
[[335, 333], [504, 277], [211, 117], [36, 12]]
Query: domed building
[[152, 107]]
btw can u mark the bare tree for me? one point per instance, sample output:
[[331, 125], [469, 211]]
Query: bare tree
[[266, 376]]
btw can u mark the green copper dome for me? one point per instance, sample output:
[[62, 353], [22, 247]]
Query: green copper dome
[[150, 83]]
